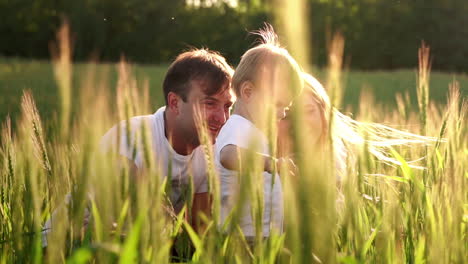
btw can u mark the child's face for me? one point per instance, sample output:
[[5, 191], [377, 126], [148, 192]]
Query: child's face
[[274, 93]]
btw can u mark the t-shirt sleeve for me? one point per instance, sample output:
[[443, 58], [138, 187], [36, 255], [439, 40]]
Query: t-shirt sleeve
[[110, 142], [117, 140], [203, 185], [241, 134]]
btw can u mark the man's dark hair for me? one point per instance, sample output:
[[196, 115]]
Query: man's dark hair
[[199, 64]]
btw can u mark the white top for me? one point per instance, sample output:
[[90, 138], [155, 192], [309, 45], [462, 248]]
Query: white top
[[243, 133], [182, 166]]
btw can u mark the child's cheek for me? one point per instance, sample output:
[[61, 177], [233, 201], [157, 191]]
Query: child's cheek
[[280, 113]]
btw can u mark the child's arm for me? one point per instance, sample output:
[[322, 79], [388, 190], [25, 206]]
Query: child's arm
[[230, 154]]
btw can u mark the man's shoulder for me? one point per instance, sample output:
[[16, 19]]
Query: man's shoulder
[[137, 123], [132, 130], [133, 125]]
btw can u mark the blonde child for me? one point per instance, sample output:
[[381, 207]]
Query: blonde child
[[264, 83]]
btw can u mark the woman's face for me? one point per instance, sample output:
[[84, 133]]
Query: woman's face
[[312, 117], [313, 127]]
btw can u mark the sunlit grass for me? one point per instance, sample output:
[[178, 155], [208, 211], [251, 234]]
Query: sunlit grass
[[391, 214]]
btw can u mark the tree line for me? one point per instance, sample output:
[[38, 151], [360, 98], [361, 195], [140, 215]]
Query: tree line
[[379, 34]]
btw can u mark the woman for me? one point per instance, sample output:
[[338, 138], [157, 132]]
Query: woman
[[347, 134]]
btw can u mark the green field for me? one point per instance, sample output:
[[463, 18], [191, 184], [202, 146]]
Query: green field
[[37, 76]]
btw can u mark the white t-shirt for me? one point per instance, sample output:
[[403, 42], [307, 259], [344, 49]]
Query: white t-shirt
[[242, 133], [182, 166]]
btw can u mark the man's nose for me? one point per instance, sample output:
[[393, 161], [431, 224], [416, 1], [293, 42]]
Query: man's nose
[[221, 116]]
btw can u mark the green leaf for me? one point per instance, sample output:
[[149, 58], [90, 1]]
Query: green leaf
[[369, 241], [180, 220], [195, 240], [348, 260], [130, 249], [82, 255], [97, 222], [407, 170], [419, 254], [120, 221]]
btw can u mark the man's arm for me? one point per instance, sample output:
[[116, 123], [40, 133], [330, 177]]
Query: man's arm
[[201, 205]]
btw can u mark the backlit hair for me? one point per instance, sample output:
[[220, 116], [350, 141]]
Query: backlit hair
[[348, 133], [266, 56], [200, 65]]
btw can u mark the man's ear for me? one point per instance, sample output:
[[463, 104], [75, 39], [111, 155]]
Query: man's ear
[[173, 102], [246, 90]]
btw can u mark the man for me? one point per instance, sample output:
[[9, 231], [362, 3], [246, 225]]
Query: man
[[196, 87]]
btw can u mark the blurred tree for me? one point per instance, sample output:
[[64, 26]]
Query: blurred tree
[[378, 33]]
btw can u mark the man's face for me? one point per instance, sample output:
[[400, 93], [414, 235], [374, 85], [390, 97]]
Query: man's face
[[214, 110]]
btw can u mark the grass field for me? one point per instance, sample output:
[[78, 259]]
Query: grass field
[[17, 75], [391, 213]]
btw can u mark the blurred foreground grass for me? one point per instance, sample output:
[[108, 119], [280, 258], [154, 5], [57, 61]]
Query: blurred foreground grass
[[390, 213]]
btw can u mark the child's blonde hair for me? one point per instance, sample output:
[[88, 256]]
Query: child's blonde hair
[[267, 55]]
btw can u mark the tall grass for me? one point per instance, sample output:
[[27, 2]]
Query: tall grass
[[391, 214]]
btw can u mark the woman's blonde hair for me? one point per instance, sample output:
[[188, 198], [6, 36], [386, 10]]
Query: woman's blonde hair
[[348, 133], [267, 55], [320, 96]]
